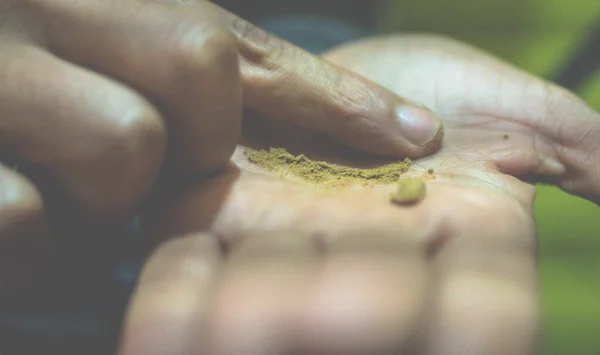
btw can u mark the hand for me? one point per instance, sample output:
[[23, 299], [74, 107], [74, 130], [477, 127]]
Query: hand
[[98, 96], [286, 269], [479, 96]]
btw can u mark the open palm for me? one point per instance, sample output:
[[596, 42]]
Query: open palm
[[490, 112], [475, 228]]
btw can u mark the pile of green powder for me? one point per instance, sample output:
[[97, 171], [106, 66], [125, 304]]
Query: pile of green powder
[[281, 162]]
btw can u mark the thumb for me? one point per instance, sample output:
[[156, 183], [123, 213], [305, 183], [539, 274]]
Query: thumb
[[286, 83]]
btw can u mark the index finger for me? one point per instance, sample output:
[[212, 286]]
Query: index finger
[[284, 82], [156, 47]]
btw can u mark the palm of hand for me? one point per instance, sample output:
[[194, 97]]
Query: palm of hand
[[476, 217], [486, 107]]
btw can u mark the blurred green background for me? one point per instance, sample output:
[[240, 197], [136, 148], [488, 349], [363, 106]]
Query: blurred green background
[[539, 36]]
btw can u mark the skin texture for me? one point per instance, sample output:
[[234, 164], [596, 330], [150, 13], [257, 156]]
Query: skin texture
[[122, 101], [102, 103], [281, 269]]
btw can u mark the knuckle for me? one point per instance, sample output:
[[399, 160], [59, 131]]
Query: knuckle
[[201, 50], [128, 154], [560, 110], [135, 134], [259, 46], [551, 99], [139, 128], [354, 97], [354, 105], [20, 203]]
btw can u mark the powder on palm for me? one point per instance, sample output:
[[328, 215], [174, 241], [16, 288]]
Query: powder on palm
[[409, 191], [282, 163]]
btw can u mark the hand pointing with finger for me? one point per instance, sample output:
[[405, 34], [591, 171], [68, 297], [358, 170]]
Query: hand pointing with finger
[[98, 98]]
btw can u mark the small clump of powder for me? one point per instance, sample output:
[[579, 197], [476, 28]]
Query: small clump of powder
[[409, 191]]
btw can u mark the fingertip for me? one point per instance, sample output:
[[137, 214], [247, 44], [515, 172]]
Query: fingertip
[[26, 251], [410, 130], [418, 124], [168, 311], [380, 122]]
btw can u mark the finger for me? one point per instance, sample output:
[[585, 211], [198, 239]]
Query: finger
[[96, 139], [168, 311], [180, 59], [287, 83], [256, 301], [368, 298], [487, 300], [279, 80], [25, 249], [485, 273], [262, 305], [279, 296], [574, 128], [284, 82]]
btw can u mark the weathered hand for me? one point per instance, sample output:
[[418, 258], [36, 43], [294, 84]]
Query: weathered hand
[[286, 269], [98, 99], [552, 134]]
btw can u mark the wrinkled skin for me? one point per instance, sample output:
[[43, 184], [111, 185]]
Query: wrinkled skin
[[104, 102], [287, 270]]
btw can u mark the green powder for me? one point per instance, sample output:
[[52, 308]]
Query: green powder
[[282, 163]]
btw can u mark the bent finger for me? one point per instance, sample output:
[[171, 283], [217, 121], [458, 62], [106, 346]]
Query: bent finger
[[100, 142], [168, 312], [280, 80], [182, 60], [487, 300], [25, 248]]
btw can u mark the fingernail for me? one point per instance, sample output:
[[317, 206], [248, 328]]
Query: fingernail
[[552, 166], [418, 124]]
